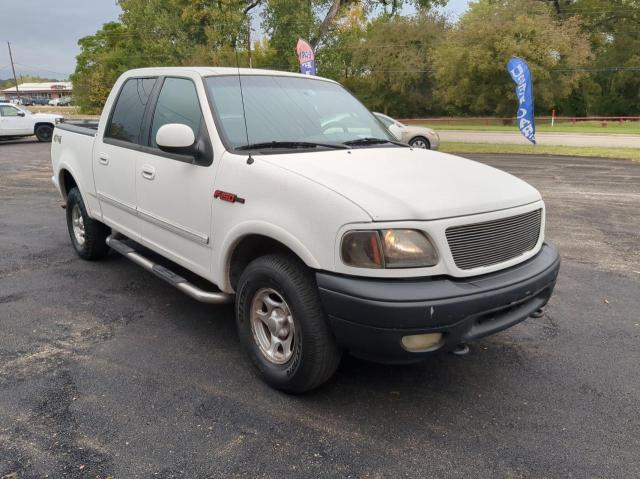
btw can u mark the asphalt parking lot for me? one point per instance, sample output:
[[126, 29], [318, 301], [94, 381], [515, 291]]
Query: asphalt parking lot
[[106, 371]]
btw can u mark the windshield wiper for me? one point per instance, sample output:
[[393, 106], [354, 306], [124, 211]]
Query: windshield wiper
[[371, 141], [290, 144]]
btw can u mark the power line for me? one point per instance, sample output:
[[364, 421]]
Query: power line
[[40, 69]]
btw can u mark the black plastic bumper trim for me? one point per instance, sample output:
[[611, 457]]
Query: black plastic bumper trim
[[370, 316]]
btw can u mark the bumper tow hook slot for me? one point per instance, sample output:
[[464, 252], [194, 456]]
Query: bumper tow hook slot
[[538, 313], [461, 350]]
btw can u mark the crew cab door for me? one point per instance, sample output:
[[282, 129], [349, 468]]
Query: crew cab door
[[115, 152], [14, 121], [174, 194]]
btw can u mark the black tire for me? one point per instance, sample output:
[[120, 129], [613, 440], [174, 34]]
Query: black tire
[[416, 140], [94, 246], [44, 133], [315, 354]]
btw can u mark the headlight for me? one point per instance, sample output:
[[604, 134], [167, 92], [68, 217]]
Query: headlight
[[388, 249]]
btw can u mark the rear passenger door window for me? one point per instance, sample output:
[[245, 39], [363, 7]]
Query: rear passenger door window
[[128, 113], [177, 103]]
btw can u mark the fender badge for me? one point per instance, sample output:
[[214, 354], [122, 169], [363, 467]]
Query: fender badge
[[228, 197]]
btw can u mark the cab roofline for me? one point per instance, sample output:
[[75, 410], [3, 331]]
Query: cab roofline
[[217, 71]]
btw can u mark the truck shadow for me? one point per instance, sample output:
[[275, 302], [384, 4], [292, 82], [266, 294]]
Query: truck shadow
[[14, 141], [211, 333]]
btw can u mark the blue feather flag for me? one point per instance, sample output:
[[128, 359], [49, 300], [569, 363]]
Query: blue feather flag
[[521, 76]]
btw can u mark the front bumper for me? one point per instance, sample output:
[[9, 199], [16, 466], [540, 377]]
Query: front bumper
[[434, 140], [369, 317]]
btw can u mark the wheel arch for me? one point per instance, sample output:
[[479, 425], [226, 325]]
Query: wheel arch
[[41, 123], [66, 181], [243, 248]]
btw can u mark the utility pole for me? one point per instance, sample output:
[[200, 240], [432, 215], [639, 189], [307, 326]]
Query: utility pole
[[15, 78], [249, 44]]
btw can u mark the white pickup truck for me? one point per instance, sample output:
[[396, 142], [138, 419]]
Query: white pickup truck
[[17, 121], [282, 193]]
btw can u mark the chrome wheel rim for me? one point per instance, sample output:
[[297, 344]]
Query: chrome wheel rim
[[77, 221], [272, 325], [419, 144]]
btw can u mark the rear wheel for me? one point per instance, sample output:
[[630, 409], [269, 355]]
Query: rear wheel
[[281, 324], [420, 142], [88, 236], [44, 133]]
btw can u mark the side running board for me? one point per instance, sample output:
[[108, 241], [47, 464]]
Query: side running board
[[169, 276]]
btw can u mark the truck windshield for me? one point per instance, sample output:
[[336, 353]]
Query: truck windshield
[[288, 110]]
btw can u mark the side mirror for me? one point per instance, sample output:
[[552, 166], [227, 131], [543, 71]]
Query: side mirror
[[177, 138], [21, 113]]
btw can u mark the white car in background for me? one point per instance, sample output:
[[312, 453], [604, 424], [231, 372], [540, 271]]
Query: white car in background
[[416, 136], [17, 122]]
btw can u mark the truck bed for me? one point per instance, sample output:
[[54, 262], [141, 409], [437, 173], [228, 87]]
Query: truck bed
[[72, 151], [83, 127]]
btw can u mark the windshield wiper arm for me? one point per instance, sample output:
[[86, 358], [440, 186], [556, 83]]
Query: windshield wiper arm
[[290, 144], [371, 141]]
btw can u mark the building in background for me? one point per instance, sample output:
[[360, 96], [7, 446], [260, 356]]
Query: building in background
[[39, 91]]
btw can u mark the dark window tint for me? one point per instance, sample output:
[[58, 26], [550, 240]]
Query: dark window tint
[[128, 112], [177, 103]]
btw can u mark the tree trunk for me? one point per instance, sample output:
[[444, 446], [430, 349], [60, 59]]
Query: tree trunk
[[326, 23], [394, 7]]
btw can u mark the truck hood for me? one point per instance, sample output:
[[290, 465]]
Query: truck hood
[[410, 184], [46, 116]]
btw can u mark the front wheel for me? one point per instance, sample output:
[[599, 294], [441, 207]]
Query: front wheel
[[281, 325], [88, 236], [44, 133], [420, 142]]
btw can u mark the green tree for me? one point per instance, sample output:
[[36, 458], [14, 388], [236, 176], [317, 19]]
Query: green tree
[[158, 33], [393, 66], [470, 65], [613, 84], [320, 21], [103, 57], [10, 82]]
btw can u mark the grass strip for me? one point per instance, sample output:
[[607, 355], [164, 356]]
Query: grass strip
[[620, 153]]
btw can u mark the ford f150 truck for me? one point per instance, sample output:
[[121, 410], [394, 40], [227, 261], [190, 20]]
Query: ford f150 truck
[[16, 122], [284, 194]]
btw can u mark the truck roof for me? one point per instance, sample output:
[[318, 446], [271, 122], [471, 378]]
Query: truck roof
[[215, 71]]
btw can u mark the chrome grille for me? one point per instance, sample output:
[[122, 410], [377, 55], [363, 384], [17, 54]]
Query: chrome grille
[[492, 242]]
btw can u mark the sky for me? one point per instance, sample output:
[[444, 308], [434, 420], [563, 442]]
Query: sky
[[44, 34]]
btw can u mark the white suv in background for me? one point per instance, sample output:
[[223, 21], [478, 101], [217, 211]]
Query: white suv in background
[[17, 122]]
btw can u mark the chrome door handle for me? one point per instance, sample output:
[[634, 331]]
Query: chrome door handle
[[148, 172], [103, 159]]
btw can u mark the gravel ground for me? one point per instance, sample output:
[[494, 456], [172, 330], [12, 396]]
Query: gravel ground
[[106, 371]]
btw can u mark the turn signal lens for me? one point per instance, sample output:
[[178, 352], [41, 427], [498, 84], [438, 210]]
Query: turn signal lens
[[362, 249]]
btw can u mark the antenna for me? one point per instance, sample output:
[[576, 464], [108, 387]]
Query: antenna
[[244, 112]]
